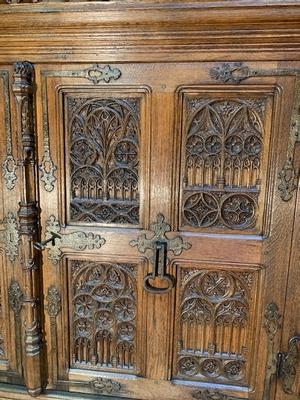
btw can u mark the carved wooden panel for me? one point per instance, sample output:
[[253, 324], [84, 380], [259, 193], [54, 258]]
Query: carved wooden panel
[[225, 143], [215, 323], [103, 308], [104, 135]]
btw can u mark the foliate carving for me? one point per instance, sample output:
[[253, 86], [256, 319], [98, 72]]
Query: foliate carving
[[48, 169], [104, 159], [103, 315], [9, 165], [75, 240], [105, 386], [15, 297], [10, 237], [288, 177], [15, 300], [272, 325], [54, 308], [287, 180], [224, 141], [231, 72], [272, 320], [212, 395], [214, 305], [54, 302], [97, 73]]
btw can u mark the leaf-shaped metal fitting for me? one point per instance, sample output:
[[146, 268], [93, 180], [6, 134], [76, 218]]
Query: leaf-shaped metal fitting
[[78, 240], [159, 245], [160, 228], [10, 237], [97, 73]]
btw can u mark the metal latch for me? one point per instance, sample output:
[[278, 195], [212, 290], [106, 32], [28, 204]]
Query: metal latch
[[287, 365]]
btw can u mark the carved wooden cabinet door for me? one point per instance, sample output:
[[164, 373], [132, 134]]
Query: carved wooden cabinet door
[[166, 195]]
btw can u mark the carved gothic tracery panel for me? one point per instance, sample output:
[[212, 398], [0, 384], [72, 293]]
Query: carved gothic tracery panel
[[224, 141], [103, 308], [104, 159], [215, 318]]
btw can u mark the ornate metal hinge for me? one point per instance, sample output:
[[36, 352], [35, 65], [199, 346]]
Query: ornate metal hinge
[[55, 240], [287, 364], [160, 245], [235, 73], [10, 237]]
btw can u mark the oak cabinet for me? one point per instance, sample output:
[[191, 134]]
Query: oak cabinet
[[149, 242]]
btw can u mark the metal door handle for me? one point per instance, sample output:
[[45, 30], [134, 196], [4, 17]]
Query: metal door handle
[[43, 244], [159, 270]]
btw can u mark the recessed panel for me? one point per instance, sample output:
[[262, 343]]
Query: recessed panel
[[216, 324], [225, 143], [105, 157], [103, 315]]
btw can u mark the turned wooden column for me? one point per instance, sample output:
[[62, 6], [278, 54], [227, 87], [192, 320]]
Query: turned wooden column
[[23, 89]]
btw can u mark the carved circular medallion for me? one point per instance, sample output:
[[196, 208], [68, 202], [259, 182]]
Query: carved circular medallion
[[234, 370], [210, 368], [124, 309], [238, 211], [217, 285], [188, 366]]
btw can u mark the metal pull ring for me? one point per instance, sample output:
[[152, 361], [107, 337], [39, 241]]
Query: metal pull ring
[[159, 271], [43, 244]]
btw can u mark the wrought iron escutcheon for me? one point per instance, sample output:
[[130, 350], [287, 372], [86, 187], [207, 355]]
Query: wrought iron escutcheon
[[287, 365], [159, 245]]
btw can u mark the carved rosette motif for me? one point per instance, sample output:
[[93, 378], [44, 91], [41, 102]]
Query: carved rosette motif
[[104, 159], [103, 316], [75, 240], [215, 308], [223, 148]]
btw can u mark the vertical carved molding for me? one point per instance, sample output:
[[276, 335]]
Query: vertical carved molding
[[53, 308], [9, 165], [288, 176], [15, 300], [272, 325], [23, 90]]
